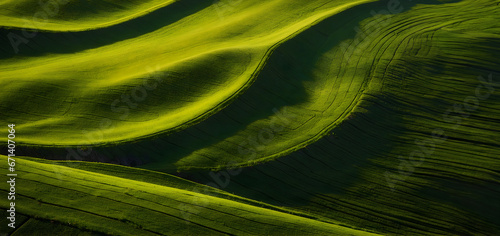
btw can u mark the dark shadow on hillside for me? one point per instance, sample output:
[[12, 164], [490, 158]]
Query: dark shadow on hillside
[[328, 166], [71, 42]]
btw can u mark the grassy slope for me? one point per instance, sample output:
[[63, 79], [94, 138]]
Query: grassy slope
[[426, 62], [113, 205], [195, 44], [157, 178], [304, 91], [73, 15]]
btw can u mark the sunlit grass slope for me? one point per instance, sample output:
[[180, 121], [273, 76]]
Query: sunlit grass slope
[[156, 82], [96, 202], [73, 15]]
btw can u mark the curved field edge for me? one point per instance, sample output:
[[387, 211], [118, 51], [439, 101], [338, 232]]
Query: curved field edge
[[113, 205], [158, 178], [384, 54], [251, 81], [115, 139], [30, 14], [227, 152]]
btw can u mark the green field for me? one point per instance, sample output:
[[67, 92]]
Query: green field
[[279, 117], [95, 202]]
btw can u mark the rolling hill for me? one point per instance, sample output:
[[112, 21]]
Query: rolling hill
[[254, 117]]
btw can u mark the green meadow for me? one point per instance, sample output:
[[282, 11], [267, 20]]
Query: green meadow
[[279, 117]]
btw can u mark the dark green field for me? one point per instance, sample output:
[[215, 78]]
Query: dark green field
[[250, 117]]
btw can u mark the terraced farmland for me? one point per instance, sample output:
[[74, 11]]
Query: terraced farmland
[[252, 117]]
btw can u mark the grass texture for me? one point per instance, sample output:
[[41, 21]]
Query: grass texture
[[311, 117], [93, 202]]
